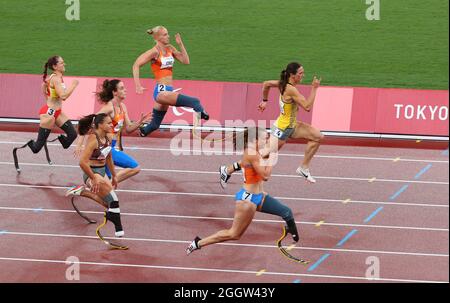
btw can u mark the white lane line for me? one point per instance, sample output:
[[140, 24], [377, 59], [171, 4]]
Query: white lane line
[[300, 154], [216, 173], [230, 244], [200, 152], [150, 192], [215, 270], [231, 219]]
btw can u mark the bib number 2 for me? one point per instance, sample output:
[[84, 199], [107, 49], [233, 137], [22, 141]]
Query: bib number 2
[[161, 88]]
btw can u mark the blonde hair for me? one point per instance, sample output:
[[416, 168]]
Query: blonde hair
[[155, 30]]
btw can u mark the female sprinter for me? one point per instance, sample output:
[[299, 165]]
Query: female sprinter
[[55, 92], [251, 197], [112, 97], [287, 126], [161, 57], [94, 159]]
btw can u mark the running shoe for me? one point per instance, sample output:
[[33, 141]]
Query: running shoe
[[75, 190], [224, 177], [305, 173], [142, 130], [193, 246], [203, 115]]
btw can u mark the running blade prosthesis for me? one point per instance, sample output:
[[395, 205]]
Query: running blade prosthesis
[[109, 243], [89, 220], [16, 160], [285, 252]]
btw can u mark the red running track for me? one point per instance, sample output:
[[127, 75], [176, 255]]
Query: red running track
[[176, 197]]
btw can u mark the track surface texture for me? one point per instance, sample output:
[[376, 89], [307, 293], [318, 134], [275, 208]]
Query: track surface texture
[[372, 207]]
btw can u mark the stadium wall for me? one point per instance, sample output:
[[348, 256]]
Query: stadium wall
[[336, 109]]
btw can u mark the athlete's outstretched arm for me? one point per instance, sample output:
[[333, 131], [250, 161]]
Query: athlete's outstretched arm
[[130, 126], [265, 92], [44, 89], [264, 171], [140, 61], [182, 55], [63, 94], [86, 154], [306, 103]]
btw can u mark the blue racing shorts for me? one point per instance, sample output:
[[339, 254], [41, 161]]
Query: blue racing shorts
[[281, 134], [121, 159], [161, 88], [243, 195]]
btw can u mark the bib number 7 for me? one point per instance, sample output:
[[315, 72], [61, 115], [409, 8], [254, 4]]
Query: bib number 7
[[247, 196]]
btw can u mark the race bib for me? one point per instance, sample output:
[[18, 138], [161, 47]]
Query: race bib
[[118, 126], [247, 196], [161, 88], [50, 111], [167, 62], [277, 132], [106, 151]]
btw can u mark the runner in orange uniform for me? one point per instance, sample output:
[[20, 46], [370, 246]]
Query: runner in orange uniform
[[251, 197], [162, 58]]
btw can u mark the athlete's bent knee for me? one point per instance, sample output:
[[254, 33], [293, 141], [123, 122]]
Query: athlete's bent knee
[[321, 136], [71, 133], [318, 138], [37, 145]]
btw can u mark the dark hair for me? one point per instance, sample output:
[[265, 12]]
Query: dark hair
[[49, 64], [88, 122], [108, 87], [291, 69], [250, 134]]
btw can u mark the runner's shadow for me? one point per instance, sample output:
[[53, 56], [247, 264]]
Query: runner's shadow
[[20, 180], [169, 184], [54, 194]]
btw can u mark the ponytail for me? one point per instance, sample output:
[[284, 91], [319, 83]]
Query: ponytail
[[87, 123], [153, 31], [49, 64], [44, 76], [108, 87], [284, 78], [291, 69]]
